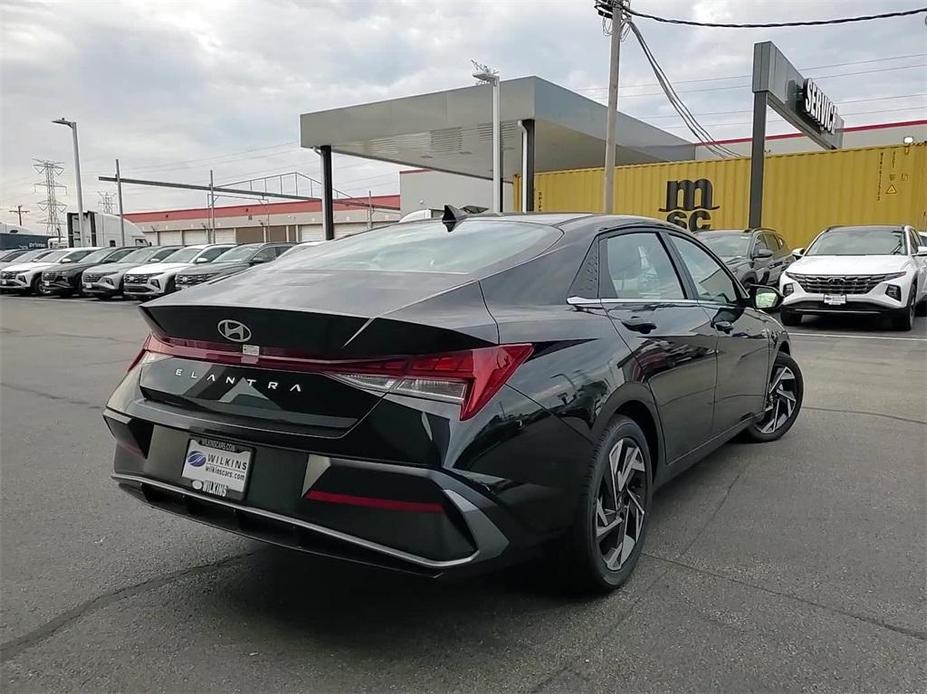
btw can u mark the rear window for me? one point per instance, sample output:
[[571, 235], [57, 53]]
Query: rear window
[[472, 246]]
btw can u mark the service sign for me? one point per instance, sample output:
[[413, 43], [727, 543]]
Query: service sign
[[816, 106]]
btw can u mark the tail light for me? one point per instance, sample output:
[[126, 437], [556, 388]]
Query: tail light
[[470, 377]]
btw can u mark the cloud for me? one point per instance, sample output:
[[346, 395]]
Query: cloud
[[176, 88]]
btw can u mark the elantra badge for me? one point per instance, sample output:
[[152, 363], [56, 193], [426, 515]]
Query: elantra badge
[[234, 331]]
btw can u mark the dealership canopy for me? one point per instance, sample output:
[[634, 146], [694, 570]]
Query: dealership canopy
[[545, 127]]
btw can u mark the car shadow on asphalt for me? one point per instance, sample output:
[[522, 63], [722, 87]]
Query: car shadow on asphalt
[[329, 599]]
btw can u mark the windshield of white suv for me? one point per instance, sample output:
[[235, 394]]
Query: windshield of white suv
[[55, 256], [727, 244], [184, 255], [74, 256], [98, 256], [240, 253], [859, 241]]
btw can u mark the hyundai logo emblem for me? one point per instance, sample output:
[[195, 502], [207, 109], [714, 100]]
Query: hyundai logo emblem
[[835, 280], [234, 331]]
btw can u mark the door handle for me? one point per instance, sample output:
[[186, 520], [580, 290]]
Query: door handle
[[638, 325], [723, 325]]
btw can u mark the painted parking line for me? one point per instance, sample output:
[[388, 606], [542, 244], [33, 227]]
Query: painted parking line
[[852, 336]]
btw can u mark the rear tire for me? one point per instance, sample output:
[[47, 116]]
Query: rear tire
[[785, 390], [788, 317], [602, 547]]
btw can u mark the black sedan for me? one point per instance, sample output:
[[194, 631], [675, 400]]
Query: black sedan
[[65, 280], [441, 395], [755, 256], [233, 261]]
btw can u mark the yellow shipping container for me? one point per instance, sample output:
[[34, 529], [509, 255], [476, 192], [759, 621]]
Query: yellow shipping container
[[803, 194]]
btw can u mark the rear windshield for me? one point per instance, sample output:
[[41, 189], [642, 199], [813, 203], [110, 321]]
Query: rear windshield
[[727, 245], [472, 246], [859, 241]]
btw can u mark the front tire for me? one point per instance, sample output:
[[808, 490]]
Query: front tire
[[784, 394], [607, 536], [789, 318], [904, 318]]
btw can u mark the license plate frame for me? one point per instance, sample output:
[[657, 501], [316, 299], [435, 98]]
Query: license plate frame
[[217, 468], [835, 299]]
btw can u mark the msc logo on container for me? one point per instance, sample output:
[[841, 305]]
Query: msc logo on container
[[684, 210]]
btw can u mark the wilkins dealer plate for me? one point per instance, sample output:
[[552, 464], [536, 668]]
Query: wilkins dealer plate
[[217, 467], [835, 299]]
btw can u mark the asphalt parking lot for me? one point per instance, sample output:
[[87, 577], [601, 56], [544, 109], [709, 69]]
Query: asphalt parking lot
[[796, 565]]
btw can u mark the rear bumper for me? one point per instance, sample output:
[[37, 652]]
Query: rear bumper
[[462, 527]]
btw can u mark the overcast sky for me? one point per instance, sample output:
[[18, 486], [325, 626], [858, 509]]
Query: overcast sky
[[174, 88]]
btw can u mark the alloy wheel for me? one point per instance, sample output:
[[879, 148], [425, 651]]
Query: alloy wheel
[[619, 506], [781, 399]]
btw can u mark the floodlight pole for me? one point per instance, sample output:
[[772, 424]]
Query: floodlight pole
[[488, 76], [80, 198]]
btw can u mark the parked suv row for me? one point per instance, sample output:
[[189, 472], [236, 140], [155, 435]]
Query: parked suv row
[[135, 272]]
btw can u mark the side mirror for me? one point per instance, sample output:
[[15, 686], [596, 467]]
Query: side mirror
[[798, 252], [201, 260], [921, 251], [765, 298], [763, 253], [258, 261]]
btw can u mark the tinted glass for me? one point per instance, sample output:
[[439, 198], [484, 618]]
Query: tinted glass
[[97, 256], [74, 256], [923, 239], [240, 253], [473, 245], [164, 254], [55, 256], [10, 255], [139, 255], [265, 255], [280, 250], [730, 245], [711, 281], [211, 253], [859, 241], [184, 255], [638, 267], [32, 255]]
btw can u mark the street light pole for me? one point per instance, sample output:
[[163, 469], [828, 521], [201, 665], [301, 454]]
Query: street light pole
[[122, 218], [488, 76], [80, 198]]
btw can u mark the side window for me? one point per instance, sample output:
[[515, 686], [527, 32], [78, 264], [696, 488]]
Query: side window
[[762, 242], [280, 250], [915, 242], [770, 241], [636, 266], [264, 255], [780, 242], [711, 281]]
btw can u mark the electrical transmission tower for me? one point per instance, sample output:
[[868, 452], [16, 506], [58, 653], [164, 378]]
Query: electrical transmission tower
[[107, 203], [50, 171]]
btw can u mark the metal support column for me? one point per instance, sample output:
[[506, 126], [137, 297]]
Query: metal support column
[[328, 209], [122, 217], [757, 160], [527, 164]]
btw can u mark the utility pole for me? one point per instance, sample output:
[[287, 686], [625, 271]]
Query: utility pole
[[122, 218], [611, 11], [80, 198], [19, 212], [50, 171], [212, 209]]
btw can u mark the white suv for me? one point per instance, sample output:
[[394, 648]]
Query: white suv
[[157, 279], [24, 277], [862, 270]]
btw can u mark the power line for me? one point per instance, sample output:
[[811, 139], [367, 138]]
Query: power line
[[734, 77], [778, 25], [744, 86], [916, 107], [691, 122]]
